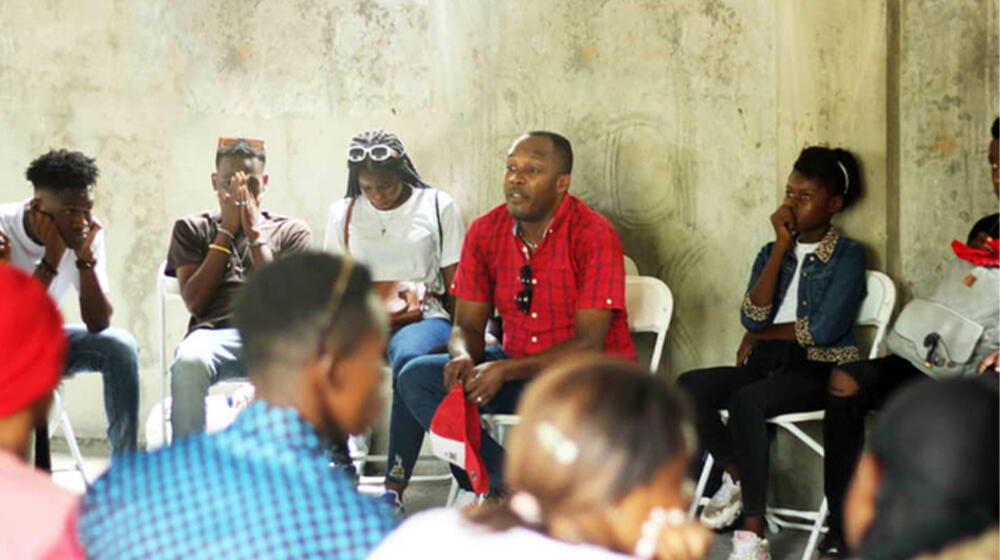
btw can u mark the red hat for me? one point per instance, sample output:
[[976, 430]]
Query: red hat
[[455, 436], [979, 257], [32, 338]]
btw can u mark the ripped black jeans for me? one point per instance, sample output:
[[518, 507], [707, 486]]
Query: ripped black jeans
[[844, 424], [777, 379]]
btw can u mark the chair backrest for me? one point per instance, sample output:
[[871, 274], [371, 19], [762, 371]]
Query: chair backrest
[[167, 286], [650, 306], [876, 309], [631, 269]]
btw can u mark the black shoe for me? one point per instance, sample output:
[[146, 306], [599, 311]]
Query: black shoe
[[832, 546]]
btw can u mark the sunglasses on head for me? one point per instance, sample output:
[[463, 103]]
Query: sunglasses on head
[[378, 152], [228, 146], [523, 298]]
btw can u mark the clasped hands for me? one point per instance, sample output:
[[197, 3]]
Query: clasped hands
[[239, 207]]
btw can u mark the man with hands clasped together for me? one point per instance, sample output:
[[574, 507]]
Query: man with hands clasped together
[[55, 237], [211, 255]]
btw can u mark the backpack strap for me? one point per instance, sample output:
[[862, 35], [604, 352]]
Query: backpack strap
[[347, 223]]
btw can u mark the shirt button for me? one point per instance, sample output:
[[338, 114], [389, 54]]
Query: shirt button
[[534, 339], [804, 302], [534, 280], [805, 274], [609, 301], [534, 315]]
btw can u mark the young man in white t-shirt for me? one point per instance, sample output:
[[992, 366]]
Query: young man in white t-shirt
[[54, 237]]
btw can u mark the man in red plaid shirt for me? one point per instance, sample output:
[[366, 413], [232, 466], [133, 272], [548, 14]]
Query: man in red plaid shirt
[[552, 267]]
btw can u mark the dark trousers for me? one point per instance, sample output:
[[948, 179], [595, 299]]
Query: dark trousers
[[421, 384], [776, 379], [844, 424]]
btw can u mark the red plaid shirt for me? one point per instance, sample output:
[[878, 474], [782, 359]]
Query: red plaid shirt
[[579, 264]]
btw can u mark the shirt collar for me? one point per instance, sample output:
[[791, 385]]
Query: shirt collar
[[562, 210], [277, 426], [824, 251]]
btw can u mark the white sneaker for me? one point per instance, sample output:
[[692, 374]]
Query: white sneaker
[[748, 546], [465, 499], [725, 506]]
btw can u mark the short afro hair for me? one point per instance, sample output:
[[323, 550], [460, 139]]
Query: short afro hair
[[61, 170], [563, 149], [836, 169]]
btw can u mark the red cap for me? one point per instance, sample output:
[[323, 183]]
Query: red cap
[[455, 437], [32, 338]]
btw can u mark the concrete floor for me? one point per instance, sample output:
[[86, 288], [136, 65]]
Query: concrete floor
[[787, 545]]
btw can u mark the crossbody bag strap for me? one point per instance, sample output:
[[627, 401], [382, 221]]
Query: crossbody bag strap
[[347, 223], [437, 210]]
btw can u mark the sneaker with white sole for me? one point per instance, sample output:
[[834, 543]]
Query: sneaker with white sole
[[725, 506], [465, 500], [748, 546], [391, 498]]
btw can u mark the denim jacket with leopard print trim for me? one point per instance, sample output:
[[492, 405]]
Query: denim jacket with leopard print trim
[[831, 289]]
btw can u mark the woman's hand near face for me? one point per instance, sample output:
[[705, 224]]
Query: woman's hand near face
[[783, 221]]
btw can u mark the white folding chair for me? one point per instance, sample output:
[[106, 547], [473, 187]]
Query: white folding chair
[[60, 420], [361, 459], [650, 306], [875, 311], [631, 269], [167, 289]]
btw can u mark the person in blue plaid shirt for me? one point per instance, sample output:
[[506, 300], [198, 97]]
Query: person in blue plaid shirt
[[314, 337]]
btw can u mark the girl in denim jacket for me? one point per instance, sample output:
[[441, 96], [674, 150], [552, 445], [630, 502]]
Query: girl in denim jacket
[[804, 293]]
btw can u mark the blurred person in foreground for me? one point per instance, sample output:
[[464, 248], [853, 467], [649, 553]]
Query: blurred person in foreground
[[313, 340], [36, 516], [927, 487], [596, 469]]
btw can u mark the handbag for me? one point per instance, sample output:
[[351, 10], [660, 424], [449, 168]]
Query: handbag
[[950, 332]]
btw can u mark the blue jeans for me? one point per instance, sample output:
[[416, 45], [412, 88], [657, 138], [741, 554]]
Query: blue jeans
[[421, 384], [114, 353], [204, 357], [406, 435]]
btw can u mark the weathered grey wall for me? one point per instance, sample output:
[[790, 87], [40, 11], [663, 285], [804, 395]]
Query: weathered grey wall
[[685, 116]]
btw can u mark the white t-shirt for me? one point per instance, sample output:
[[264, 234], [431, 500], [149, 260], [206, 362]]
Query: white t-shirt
[[787, 312], [26, 254], [444, 534], [402, 244]]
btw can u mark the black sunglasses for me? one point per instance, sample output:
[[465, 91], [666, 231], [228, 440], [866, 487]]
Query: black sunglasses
[[523, 298]]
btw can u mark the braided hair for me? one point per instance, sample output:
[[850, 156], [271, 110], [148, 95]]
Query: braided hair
[[402, 166], [835, 168]]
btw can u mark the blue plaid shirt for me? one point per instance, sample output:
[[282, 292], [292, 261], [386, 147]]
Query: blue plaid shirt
[[262, 488]]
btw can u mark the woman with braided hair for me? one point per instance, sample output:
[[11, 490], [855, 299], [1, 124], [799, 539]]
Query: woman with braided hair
[[410, 235]]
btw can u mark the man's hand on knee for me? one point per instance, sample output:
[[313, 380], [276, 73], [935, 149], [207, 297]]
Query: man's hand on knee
[[458, 370]]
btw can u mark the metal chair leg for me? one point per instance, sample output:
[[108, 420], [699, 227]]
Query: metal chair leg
[[700, 488], [816, 531]]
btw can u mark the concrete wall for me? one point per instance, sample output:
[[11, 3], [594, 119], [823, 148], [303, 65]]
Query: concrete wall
[[685, 116]]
